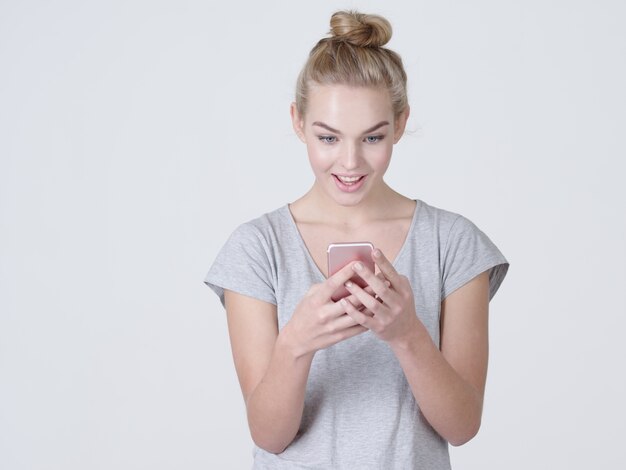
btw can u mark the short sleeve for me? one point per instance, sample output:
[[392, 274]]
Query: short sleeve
[[467, 253], [244, 265]]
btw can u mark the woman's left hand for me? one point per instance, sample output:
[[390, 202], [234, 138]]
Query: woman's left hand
[[390, 312]]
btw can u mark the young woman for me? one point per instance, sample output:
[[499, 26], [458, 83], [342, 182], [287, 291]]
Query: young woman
[[386, 377]]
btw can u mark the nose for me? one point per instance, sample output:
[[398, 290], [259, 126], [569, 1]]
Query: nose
[[351, 156]]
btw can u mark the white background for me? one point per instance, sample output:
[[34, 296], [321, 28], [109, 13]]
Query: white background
[[136, 135]]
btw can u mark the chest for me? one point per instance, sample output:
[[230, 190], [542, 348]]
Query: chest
[[388, 236]]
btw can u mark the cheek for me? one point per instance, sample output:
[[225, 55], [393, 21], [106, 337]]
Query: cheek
[[379, 157], [319, 158], [315, 161]]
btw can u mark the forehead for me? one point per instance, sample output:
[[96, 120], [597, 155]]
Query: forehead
[[348, 108]]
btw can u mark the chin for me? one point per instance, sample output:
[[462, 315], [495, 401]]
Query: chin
[[348, 200]]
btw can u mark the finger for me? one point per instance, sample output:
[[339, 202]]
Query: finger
[[366, 311], [379, 286], [354, 301], [334, 282], [367, 300], [357, 316], [337, 309], [380, 276], [343, 322], [331, 285], [385, 266]]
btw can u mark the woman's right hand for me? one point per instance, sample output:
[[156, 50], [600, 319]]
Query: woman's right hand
[[272, 366], [318, 321]]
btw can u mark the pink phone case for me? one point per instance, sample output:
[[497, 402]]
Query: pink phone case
[[340, 254]]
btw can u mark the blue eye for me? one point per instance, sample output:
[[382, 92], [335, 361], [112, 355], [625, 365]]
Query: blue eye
[[372, 139], [328, 139]]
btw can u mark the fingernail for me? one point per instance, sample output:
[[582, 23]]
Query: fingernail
[[388, 284], [358, 266], [348, 284], [343, 302], [376, 253]]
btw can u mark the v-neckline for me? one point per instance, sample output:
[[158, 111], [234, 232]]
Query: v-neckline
[[312, 262]]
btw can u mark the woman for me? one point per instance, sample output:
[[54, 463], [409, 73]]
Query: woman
[[386, 377]]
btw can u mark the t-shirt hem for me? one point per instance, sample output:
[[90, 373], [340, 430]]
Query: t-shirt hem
[[498, 268], [219, 286]]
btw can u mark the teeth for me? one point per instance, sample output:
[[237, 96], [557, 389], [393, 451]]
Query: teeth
[[349, 179]]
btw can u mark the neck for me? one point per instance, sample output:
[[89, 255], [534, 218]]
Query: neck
[[316, 207]]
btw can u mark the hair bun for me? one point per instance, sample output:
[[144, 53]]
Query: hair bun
[[360, 29]]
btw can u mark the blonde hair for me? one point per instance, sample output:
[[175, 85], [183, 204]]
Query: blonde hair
[[354, 56]]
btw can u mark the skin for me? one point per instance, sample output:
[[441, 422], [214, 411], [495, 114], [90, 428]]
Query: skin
[[273, 366]]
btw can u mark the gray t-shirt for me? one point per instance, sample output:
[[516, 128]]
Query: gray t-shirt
[[359, 411]]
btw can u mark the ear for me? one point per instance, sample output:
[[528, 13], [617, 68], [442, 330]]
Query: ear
[[297, 121], [400, 124]]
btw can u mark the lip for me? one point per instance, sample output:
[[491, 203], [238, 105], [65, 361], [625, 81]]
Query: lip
[[349, 188]]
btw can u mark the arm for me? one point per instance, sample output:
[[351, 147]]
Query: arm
[[272, 377], [273, 367], [448, 384]]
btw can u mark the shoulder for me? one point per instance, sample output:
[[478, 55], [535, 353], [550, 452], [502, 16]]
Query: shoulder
[[246, 264], [439, 220], [451, 232], [265, 227], [464, 250], [266, 237]]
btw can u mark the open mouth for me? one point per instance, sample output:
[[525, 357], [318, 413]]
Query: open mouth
[[349, 183], [349, 179]]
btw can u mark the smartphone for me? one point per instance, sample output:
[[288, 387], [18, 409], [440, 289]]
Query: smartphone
[[340, 254]]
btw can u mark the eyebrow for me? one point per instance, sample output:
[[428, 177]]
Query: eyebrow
[[367, 131]]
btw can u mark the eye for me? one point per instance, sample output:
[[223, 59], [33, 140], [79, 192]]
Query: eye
[[328, 139], [372, 139]]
